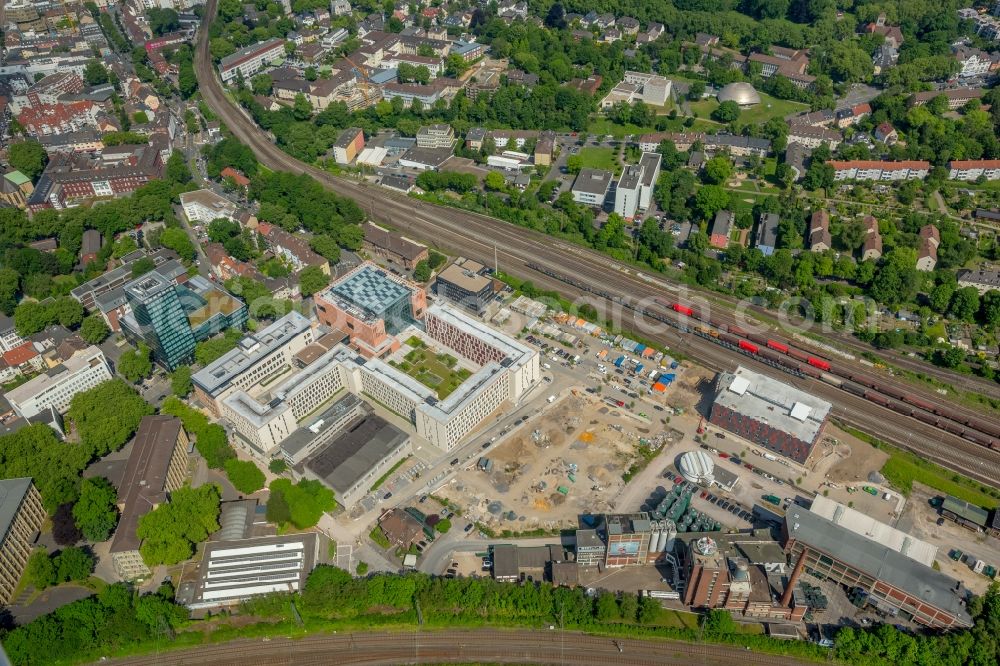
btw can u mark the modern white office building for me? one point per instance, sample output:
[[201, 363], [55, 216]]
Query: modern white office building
[[205, 205], [56, 387], [635, 187]]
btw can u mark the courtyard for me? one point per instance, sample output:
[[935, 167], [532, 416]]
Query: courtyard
[[436, 370]]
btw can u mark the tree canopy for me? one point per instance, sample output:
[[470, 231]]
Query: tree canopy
[[104, 430], [170, 532]]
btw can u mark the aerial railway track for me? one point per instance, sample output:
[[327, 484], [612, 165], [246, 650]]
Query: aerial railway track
[[524, 252]]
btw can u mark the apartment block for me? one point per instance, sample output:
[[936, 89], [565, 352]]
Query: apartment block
[[205, 205], [56, 387], [635, 187], [251, 60], [21, 518], [878, 170]]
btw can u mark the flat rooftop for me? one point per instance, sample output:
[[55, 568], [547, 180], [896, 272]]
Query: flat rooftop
[[355, 451], [868, 527], [593, 181], [80, 360], [249, 351], [12, 492], [881, 562], [368, 289], [465, 275], [775, 403]]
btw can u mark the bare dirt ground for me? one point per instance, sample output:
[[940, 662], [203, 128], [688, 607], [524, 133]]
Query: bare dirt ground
[[919, 518], [579, 436]]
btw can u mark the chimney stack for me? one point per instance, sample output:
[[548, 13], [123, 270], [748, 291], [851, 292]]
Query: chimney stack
[[786, 598]]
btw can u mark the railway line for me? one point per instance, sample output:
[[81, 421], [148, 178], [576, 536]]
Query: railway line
[[521, 251], [460, 646]]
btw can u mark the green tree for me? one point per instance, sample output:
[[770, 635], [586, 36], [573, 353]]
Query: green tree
[[73, 564], [104, 430], [40, 571], [311, 280], [325, 246], [964, 304], [180, 381], [245, 476], [135, 365], [726, 112], [93, 329], [96, 512], [95, 74], [142, 266], [422, 271], [177, 168], [718, 170], [443, 526], [170, 531], [989, 308], [28, 157], [709, 200], [301, 108], [495, 181], [277, 466], [306, 501], [174, 238], [606, 607]]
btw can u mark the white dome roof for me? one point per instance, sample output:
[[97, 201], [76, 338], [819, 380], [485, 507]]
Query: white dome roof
[[740, 92], [697, 467]]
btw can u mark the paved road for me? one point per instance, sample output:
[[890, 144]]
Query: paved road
[[472, 235], [455, 646]]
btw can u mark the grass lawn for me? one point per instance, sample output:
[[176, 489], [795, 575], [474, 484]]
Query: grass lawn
[[601, 126], [595, 157], [436, 372], [769, 107]]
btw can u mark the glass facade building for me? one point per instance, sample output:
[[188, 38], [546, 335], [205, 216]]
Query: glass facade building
[[171, 318]]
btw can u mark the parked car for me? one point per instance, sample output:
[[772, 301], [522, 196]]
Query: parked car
[[454, 462]]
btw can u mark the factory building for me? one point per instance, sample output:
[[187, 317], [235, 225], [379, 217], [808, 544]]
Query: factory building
[[772, 414], [889, 572]]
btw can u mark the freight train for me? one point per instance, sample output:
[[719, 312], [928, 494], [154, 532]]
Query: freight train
[[792, 360]]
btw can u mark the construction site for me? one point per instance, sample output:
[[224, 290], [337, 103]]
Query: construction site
[[566, 461]]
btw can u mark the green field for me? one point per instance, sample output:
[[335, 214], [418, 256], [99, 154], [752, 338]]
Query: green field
[[594, 157], [433, 371]]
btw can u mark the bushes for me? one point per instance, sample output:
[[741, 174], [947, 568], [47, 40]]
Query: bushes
[[447, 180], [69, 564]]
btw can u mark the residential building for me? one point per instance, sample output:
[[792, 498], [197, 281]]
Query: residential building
[[886, 133], [819, 232], [21, 519], [466, 283], [722, 229], [350, 142], [639, 87], [969, 170], [879, 170], [930, 239], [812, 136], [649, 143], [157, 466], [634, 193], [170, 318], [892, 34], [56, 387], [70, 179], [872, 247], [767, 233], [292, 248], [251, 59], [888, 579], [385, 244], [772, 414], [436, 136], [973, 61], [982, 280], [737, 146], [591, 187], [9, 339], [371, 305], [851, 116], [205, 205]]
